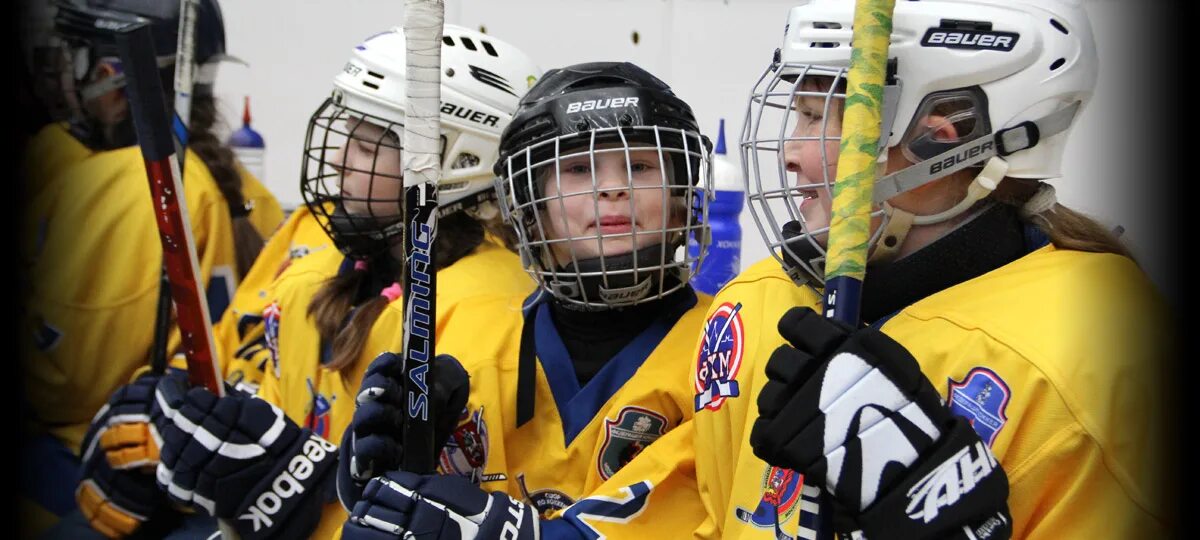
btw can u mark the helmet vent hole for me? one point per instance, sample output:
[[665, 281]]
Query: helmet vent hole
[[448, 40], [487, 46], [825, 45], [376, 75], [1057, 64], [465, 160], [371, 85], [828, 25], [1057, 25], [470, 45]]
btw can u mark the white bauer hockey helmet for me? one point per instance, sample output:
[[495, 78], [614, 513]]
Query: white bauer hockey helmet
[[1011, 75], [482, 79]]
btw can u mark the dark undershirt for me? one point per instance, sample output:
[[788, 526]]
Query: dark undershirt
[[592, 338]]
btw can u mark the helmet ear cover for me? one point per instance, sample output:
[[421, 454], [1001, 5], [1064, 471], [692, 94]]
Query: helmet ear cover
[[964, 108]]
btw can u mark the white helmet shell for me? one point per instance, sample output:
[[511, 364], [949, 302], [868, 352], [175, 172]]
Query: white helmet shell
[[482, 80], [1029, 57]]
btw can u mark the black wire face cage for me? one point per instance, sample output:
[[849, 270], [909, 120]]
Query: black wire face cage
[[774, 193], [612, 206], [352, 179]]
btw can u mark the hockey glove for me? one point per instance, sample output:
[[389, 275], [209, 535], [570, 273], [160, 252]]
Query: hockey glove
[[852, 411], [118, 495], [240, 458], [406, 505], [373, 444]]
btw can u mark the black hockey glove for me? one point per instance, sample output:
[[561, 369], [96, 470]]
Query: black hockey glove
[[117, 494], [240, 458], [406, 505], [373, 443], [852, 410]]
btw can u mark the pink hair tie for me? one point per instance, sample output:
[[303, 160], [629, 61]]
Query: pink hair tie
[[360, 265], [392, 292]]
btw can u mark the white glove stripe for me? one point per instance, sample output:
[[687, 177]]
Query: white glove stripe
[[272, 434], [166, 477], [842, 373], [100, 413], [467, 527], [214, 444], [87, 454], [870, 387]]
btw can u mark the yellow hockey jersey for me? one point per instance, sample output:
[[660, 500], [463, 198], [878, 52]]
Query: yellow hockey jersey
[[90, 307], [50, 151], [323, 400], [265, 212], [573, 438], [1056, 359], [240, 332]]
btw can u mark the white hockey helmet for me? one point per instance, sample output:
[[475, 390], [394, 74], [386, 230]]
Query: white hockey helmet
[[1014, 73], [482, 80]]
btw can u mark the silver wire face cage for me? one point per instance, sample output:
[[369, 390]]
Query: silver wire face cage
[[774, 194], [357, 199], [532, 196]]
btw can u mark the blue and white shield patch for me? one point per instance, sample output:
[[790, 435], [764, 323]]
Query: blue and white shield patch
[[981, 397]]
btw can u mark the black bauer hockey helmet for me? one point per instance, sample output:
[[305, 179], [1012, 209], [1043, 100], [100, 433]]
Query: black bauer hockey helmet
[[570, 103]]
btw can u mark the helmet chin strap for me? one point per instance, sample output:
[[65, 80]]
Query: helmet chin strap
[[898, 223]]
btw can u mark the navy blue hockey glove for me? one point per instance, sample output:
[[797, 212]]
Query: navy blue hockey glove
[[852, 411], [117, 494], [406, 505], [240, 458], [373, 443]]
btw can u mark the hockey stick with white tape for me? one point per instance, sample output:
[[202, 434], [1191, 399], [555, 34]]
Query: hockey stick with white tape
[[422, 151]]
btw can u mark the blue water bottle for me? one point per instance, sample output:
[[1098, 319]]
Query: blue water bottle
[[724, 259], [248, 145]]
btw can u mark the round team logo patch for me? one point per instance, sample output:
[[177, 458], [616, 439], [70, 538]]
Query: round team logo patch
[[466, 453], [981, 397], [720, 357], [781, 490], [633, 430], [546, 501]]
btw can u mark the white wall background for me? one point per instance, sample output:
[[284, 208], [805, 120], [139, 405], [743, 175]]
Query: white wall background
[[709, 51]]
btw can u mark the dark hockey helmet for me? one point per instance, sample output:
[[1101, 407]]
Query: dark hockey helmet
[[590, 110], [609, 100], [86, 41], [75, 23]]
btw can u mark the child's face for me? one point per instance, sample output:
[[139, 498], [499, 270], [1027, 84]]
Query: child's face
[[602, 195], [371, 172]]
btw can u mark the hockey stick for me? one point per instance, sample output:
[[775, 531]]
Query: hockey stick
[[151, 122], [850, 225], [862, 117], [422, 170], [185, 53]]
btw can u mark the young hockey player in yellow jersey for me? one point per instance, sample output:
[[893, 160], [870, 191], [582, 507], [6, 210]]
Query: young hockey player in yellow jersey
[[333, 311], [604, 175], [1030, 320], [96, 264]]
